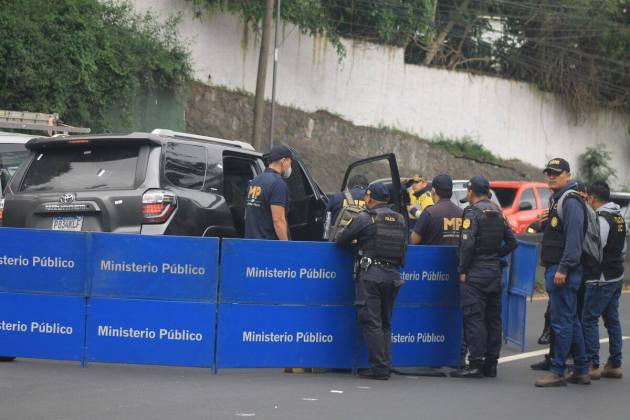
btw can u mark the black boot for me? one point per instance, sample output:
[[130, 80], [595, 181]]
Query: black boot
[[490, 370], [470, 371], [542, 365], [373, 374], [545, 337]]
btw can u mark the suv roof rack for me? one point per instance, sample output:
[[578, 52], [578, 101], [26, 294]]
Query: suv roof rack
[[50, 123], [187, 136]]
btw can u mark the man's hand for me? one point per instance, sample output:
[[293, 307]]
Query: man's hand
[[462, 278], [559, 279], [544, 215]]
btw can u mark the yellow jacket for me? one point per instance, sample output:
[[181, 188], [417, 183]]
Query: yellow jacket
[[419, 203]]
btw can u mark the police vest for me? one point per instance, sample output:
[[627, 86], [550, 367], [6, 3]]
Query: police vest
[[491, 226], [612, 263], [389, 243], [553, 240]]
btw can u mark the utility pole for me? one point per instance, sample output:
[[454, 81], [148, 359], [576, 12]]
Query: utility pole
[[259, 100], [276, 51]]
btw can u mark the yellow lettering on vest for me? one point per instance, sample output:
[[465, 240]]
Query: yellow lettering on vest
[[453, 223]]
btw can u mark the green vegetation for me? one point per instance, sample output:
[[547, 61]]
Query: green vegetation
[[83, 58], [466, 148], [595, 165]]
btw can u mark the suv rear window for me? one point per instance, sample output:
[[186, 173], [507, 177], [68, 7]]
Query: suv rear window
[[505, 196], [82, 169]]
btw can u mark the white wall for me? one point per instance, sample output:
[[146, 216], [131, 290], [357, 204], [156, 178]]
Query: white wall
[[373, 86]]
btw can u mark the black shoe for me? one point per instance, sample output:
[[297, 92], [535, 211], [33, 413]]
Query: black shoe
[[545, 337], [490, 371], [469, 372], [373, 374], [542, 365], [7, 358]]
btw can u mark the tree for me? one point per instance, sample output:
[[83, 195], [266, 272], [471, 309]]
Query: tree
[[261, 79], [82, 58], [595, 165]]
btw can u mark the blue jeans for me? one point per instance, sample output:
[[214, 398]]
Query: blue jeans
[[602, 300], [565, 322]]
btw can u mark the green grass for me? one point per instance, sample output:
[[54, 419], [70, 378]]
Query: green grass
[[465, 147]]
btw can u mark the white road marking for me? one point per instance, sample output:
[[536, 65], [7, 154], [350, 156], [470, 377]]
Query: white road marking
[[336, 391], [364, 387], [245, 414], [310, 399], [540, 353]]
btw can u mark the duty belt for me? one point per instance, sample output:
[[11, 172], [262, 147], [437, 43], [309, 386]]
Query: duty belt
[[366, 262]]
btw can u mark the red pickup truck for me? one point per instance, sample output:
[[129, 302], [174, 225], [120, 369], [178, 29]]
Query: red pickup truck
[[522, 201]]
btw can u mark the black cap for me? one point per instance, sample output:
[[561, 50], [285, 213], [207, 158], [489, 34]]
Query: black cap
[[479, 185], [378, 191], [443, 183], [557, 165], [280, 151], [580, 186]]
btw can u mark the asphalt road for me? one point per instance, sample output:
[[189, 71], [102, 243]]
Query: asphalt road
[[37, 389]]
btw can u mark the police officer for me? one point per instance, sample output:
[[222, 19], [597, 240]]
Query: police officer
[[419, 191], [357, 185], [381, 234], [486, 237], [604, 283], [439, 224], [561, 256], [267, 200]]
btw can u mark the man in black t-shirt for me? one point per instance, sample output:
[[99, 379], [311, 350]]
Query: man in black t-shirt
[[267, 200], [439, 224]]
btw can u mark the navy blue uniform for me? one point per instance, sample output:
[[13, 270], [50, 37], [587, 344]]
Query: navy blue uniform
[[562, 253], [338, 201], [377, 286], [483, 243], [439, 224], [265, 190]]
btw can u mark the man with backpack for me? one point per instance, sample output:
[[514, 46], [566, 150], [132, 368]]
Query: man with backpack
[[562, 249], [604, 282]]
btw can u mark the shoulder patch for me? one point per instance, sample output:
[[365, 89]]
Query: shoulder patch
[[554, 221], [466, 223]]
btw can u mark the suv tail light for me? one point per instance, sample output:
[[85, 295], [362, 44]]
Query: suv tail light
[[158, 205], [1, 209]]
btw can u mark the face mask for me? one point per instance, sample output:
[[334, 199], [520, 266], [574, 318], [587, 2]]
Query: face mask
[[286, 174]]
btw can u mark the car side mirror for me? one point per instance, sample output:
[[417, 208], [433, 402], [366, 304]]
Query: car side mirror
[[522, 206]]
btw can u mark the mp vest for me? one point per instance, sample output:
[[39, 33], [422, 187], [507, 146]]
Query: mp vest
[[390, 241], [490, 231]]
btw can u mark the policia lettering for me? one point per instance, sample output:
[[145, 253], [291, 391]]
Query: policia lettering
[[381, 234]]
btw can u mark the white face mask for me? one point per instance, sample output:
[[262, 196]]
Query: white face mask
[[286, 174]]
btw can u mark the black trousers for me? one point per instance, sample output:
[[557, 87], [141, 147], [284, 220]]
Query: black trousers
[[482, 325], [375, 293]]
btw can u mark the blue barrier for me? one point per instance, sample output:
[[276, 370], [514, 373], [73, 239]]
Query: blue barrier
[[158, 300], [29, 259], [522, 281], [42, 326], [275, 296], [150, 332]]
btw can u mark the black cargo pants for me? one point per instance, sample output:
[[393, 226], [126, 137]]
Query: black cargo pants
[[375, 293], [482, 324]]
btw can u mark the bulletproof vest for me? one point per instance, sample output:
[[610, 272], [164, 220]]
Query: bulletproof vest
[[612, 263], [553, 238], [389, 242], [490, 231]]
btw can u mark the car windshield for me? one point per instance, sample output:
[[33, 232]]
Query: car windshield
[[505, 196], [11, 156], [82, 169]]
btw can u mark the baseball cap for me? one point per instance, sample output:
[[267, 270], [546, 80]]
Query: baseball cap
[[418, 178], [443, 183], [557, 165], [280, 151], [378, 191], [479, 185]]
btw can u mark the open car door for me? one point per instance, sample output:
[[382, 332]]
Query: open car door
[[383, 168]]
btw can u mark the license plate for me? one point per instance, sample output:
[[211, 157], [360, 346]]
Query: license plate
[[72, 223]]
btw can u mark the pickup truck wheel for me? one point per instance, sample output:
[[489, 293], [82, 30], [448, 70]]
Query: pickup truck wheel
[[7, 358]]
